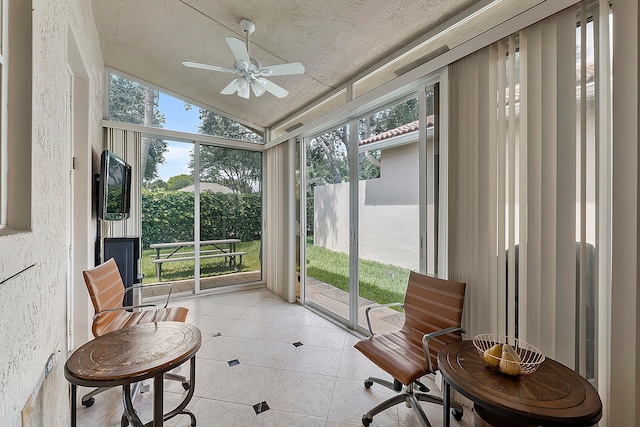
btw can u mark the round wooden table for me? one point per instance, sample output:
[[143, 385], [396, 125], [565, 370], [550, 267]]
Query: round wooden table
[[135, 354], [553, 395]]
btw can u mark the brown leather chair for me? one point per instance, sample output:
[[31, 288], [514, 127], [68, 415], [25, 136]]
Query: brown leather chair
[[433, 314], [107, 292]]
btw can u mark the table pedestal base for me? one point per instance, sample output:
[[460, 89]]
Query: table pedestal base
[[483, 417], [158, 393]]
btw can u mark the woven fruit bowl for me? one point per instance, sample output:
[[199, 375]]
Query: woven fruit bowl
[[521, 358]]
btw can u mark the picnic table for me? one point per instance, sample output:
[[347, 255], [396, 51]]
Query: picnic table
[[170, 252]]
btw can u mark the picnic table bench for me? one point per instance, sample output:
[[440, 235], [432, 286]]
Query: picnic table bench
[[223, 248]]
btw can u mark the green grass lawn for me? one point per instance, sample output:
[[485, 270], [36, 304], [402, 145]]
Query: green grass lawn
[[381, 283], [182, 270]]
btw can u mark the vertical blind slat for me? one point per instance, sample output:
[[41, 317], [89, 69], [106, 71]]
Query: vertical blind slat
[[565, 282], [523, 192], [511, 193], [501, 200]]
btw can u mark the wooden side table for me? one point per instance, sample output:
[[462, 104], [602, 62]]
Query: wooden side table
[[553, 395], [135, 354]]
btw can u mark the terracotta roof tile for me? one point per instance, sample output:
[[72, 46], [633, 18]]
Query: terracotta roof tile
[[400, 130]]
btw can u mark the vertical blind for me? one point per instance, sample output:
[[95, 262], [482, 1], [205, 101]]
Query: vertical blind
[[523, 208], [127, 145], [278, 256]]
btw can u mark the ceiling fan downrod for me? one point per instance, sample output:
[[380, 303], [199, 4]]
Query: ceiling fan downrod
[[248, 27]]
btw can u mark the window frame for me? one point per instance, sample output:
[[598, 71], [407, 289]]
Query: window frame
[[3, 112]]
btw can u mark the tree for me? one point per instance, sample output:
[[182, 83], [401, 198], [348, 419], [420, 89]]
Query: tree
[[387, 119], [217, 125], [327, 159], [240, 170], [158, 184], [179, 181], [130, 102]]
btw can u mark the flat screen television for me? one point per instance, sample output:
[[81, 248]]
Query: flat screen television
[[114, 188]]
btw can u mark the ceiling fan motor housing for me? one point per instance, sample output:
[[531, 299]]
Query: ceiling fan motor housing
[[247, 26]]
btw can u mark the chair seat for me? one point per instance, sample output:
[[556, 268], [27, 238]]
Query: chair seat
[[399, 353], [124, 319]]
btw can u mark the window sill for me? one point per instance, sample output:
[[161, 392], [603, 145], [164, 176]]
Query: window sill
[[6, 230]]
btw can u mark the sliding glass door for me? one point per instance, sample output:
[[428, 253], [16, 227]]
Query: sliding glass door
[[390, 191], [327, 222], [383, 211]]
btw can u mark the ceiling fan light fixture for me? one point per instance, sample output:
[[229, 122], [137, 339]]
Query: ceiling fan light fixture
[[258, 87], [242, 83], [244, 93]]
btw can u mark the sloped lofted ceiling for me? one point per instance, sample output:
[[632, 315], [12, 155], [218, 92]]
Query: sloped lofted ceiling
[[334, 39]]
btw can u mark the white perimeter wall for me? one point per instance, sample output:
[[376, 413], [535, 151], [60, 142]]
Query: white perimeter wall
[[33, 304], [389, 206]]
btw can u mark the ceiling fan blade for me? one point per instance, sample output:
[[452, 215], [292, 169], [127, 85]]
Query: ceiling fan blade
[[191, 64], [274, 88], [283, 69], [238, 49], [230, 88]]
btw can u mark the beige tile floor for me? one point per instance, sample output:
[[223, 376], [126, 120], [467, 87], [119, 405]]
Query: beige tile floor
[[317, 384]]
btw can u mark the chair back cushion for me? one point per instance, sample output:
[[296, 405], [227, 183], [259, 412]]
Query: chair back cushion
[[432, 304], [106, 289]]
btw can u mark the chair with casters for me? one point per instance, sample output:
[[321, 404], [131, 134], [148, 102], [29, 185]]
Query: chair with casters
[[433, 315], [107, 292]]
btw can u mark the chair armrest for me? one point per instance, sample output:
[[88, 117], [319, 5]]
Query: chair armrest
[[128, 288], [366, 312], [427, 337], [100, 313]]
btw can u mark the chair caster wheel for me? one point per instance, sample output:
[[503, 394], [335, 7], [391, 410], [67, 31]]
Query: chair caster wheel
[[89, 402], [124, 422], [366, 421], [457, 414], [186, 386], [367, 385]]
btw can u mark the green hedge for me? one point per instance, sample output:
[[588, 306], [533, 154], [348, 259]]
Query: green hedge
[[167, 216]]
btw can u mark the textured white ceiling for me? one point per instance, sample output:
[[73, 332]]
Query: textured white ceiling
[[334, 39]]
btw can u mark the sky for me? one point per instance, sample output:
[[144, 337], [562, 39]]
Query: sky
[[177, 118]]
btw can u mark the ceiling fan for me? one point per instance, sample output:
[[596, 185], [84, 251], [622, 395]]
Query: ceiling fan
[[251, 73]]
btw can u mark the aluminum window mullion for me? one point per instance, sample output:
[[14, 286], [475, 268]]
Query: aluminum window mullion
[[353, 224]]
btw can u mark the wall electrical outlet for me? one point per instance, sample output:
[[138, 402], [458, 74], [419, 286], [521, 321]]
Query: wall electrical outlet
[[48, 367]]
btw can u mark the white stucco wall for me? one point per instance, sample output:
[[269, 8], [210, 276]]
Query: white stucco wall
[[389, 229], [33, 304]]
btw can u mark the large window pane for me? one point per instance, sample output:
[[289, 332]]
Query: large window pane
[[132, 102], [167, 220], [230, 216]]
